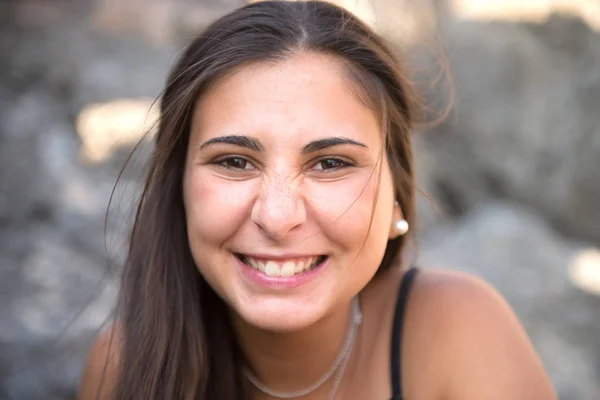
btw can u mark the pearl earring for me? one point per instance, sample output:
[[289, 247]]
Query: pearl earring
[[402, 226]]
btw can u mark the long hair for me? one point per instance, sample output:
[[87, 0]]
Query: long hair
[[175, 338]]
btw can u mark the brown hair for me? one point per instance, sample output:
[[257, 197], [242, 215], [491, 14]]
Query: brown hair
[[177, 342]]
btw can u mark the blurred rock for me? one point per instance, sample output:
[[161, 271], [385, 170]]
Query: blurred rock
[[26, 187], [526, 124], [103, 128], [53, 305], [585, 270], [532, 10]]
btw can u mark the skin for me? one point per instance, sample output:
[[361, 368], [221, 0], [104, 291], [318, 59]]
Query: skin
[[461, 340]]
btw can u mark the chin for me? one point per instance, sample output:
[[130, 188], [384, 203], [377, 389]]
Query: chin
[[279, 315]]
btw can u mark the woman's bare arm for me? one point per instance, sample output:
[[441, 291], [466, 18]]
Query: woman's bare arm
[[486, 354], [99, 374]]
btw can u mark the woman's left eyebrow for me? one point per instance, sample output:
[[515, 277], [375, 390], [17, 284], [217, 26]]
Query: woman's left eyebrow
[[321, 144]]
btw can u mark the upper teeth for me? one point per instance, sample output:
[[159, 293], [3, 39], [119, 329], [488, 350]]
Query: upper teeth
[[281, 268]]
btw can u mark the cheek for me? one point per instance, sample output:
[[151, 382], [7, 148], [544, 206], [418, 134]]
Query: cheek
[[356, 211], [215, 208]]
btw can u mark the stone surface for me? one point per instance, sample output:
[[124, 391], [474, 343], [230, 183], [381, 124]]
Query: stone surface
[[525, 123]]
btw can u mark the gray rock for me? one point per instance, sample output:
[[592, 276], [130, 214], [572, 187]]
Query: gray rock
[[54, 300], [526, 124]]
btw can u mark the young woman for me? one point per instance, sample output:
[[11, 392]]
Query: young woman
[[265, 259]]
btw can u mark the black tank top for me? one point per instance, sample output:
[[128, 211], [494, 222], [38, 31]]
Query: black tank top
[[396, 356]]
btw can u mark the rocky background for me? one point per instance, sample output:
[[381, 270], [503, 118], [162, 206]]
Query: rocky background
[[511, 177]]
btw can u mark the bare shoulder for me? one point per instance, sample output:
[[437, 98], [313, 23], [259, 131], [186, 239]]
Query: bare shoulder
[[99, 373], [478, 346]]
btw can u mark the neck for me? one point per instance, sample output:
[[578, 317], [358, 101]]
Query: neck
[[290, 361]]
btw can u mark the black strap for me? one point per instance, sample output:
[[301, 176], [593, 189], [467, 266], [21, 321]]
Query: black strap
[[396, 357]]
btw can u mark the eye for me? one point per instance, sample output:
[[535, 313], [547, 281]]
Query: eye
[[235, 163], [330, 164]]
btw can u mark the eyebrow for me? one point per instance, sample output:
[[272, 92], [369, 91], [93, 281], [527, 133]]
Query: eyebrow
[[236, 140], [254, 144], [329, 142]]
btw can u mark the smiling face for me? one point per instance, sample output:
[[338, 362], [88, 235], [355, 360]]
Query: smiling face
[[288, 201]]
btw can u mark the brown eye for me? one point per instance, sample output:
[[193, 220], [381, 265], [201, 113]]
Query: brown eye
[[330, 164], [235, 163]]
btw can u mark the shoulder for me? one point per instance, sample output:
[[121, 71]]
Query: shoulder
[[477, 344], [456, 297], [99, 373]]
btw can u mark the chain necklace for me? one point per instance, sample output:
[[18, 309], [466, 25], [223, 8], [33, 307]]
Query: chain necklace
[[339, 363]]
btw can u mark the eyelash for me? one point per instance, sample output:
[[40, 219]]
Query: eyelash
[[221, 162]]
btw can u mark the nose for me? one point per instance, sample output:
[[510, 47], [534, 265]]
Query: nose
[[278, 209]]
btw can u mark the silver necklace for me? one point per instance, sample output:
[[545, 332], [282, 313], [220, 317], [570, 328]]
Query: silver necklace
[[340, 362]]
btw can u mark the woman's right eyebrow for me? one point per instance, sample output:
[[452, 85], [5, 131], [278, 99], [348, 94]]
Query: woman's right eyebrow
[[247, 142]]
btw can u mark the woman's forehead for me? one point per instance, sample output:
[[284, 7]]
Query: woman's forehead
[[308, 95]]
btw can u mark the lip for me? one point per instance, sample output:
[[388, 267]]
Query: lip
[[281, 282], [280, 257]]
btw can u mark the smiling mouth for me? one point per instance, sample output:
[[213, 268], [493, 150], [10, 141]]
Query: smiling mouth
[[282, 268]]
